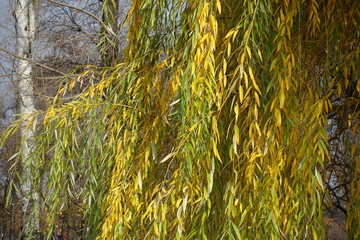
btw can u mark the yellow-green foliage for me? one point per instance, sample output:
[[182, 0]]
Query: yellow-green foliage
[[213, 127]]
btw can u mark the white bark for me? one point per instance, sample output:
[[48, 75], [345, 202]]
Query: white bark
[[25, 26]]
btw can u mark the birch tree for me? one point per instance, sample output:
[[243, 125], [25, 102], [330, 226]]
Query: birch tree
[[25, 29]]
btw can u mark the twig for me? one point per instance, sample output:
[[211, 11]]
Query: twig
[[109, 30], [78, 9]]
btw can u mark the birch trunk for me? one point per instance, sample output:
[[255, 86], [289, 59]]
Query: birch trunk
[[25, 27]]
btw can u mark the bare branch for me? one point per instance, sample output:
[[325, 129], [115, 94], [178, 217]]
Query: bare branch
[[109, 30], [78, 9], [31, 61]]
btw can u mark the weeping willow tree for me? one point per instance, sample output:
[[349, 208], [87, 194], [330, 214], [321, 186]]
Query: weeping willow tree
[[212, 127]]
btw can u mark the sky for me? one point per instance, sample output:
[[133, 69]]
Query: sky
[[6, 42]]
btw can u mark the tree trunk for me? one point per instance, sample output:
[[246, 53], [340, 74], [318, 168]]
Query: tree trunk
[[25, 27]]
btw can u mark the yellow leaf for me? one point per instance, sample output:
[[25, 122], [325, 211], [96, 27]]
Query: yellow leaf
[[212, 70], [278, 117], [237, 134], [229, 49], [251, 74], [218, 6], [139, 181], [234, 35], [257, 99], [163, 212], [260, 55], [215, 150], [248, 51], [241, 93], [282, 99], [156, 228], [236, 110], [246, 80], [229, 33], [168, 157], [193, 127], [319, 179], [258, 128], [256, 112], [339, 89]]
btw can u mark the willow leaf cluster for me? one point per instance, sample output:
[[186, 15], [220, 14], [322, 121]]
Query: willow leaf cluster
[[213, 126]]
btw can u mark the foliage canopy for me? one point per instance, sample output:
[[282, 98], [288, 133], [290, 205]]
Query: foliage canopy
[[212, 127]]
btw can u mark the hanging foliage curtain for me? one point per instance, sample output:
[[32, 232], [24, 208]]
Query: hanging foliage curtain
[[213, 127]]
